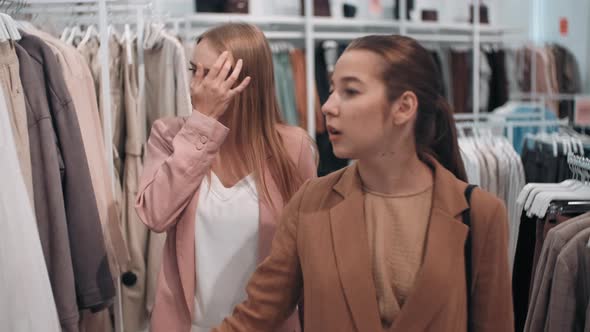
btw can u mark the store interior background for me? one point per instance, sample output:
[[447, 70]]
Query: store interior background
[[542, 20]]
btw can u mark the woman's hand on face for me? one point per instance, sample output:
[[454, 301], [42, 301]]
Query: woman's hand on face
[[212, 93]]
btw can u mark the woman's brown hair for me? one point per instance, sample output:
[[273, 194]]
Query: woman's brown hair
[[410, 67], [253, 115]]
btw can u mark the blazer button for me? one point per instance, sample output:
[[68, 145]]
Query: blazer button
[[204, 139], [129, 279]]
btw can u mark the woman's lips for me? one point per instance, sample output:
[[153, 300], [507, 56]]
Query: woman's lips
[[333, 133]]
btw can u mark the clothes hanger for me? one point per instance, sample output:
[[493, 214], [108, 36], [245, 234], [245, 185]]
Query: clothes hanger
[[527, 195], [582, 192], [4, 34], [65, 33], [90, 32], [75, 32], [11, 27], [128, 38]]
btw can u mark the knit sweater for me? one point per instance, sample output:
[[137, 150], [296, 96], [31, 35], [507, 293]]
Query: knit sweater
[[396, 226]]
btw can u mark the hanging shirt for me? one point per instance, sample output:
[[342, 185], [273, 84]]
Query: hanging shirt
[[226, 244]]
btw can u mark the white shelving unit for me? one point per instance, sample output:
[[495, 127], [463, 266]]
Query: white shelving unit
[[310, 30]]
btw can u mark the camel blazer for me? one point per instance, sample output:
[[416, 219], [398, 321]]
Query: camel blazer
[[179, 154], [321, 251]]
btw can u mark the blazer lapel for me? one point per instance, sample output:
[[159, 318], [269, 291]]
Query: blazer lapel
[[444, 253], [351, 248]]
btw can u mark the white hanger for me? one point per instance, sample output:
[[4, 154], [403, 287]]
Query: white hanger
[[127, 37], [582, 147], [581, 192], [10, 26], [76, 31], [65, 34], [90, 32], [538, 188], [4, 34]]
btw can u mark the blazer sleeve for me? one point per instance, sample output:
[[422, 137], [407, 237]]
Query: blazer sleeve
[[175, 166], [276, 285], [491, 289]]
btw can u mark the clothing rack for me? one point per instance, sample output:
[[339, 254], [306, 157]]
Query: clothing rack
[[508, 126], [100, 13]]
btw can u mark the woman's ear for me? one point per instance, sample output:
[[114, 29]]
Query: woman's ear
[[404, 108]]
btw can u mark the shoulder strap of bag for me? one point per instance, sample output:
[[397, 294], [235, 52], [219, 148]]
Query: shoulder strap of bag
[[467, 222]]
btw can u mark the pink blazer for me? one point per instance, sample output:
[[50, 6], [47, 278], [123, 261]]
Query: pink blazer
[[179, 154]]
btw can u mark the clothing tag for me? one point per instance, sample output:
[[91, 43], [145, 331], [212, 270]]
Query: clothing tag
[[582, 110]]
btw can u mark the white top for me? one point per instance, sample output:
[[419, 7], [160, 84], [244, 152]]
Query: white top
[[226, 244]]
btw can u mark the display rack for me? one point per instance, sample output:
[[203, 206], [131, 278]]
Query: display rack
[[310, 30], [99, 13]]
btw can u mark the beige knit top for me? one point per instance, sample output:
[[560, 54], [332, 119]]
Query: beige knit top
[[396, 226]]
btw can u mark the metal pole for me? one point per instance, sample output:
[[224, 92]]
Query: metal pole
[[403, 30], [106, 88], [310, 67], [141, 71], [476, 55]]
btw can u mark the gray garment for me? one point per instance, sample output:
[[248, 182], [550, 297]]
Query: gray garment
[[133, 296], [556, 239], [285, 87], [570, 292], [90, 51], [445, 59], [93, 279], [166, 93], [47, 188], [167, 90], [512, 72]]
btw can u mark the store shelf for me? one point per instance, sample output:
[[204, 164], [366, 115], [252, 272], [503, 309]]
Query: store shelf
[[349, 25], [210, 19], [353, 23]]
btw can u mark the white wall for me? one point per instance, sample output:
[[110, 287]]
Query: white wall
[[577, 40], [174, 7]]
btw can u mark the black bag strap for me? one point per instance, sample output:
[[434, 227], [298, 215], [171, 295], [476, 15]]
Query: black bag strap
[[467, 222]]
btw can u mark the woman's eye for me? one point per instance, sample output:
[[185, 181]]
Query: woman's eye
[[350, 92]]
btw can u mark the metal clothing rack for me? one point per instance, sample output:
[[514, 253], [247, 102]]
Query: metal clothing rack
[[580, 167], [501, 123], [99, 12]]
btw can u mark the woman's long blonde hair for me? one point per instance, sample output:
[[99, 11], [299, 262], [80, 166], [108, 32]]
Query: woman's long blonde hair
[[254, 114]]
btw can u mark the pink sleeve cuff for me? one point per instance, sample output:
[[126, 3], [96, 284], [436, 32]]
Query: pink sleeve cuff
[[203, 131]]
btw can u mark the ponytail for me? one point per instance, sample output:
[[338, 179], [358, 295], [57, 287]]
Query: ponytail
[[444, 145], [436, 136]]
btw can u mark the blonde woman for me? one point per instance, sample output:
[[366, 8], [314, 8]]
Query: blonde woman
[[216, 182]]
